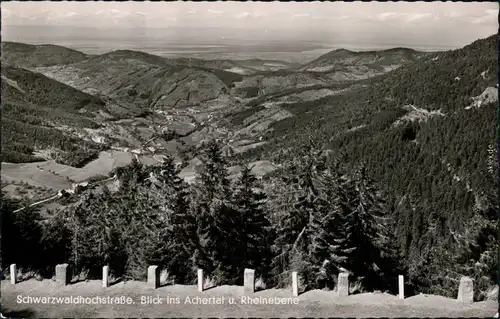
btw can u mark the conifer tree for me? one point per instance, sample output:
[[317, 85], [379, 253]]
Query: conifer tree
[[23, 229], [303, 233], [179, 235], [216, 217], [359, 244], [131, 175], [327, 226], [252, 246]]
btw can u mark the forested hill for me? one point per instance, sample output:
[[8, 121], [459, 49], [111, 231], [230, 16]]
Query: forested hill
[[34, 108], [130, 54], [34, 87], [446, 80], [378, 60], [424, 135], [28, 55]]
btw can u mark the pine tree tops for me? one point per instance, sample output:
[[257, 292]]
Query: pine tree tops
[[333, 222], [213, 174], [252, 240], [303, 233], [231, 220]]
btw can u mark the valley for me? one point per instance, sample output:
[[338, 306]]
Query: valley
[[147, 106]]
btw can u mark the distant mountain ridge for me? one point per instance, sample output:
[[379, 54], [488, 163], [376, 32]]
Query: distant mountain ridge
[[377, 60], [28, 55], [131, 54], [145, 80]]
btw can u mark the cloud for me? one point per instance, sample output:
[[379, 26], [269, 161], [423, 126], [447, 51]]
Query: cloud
[[300, 15], [243, 15], [330, 18], [417, 16], [485, 17], [386, 16], [490, 16], [216, 12], [246, 14], [454, 14], [6, 13], [403, 17], [117, 17], [112, 13], [190, 12], [70, 14], [342, 18]]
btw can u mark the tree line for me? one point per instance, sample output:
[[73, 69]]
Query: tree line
[[311, 217]]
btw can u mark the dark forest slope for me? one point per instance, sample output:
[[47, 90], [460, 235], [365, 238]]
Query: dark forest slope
[[33, 109], [439, 168]]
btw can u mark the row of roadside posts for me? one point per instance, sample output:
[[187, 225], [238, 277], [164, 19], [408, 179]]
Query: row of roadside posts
[[63, 277]]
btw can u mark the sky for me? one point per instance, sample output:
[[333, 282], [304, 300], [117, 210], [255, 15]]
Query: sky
[[445, 23]]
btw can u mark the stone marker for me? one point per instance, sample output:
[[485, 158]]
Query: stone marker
[[63, 277], [343, 284], [401, 282], [249, 281], [295, 284], [466, 290], [200, 280], [13, 274], [153, 277], [105, 277]]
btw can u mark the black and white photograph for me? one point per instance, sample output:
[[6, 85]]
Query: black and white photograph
[[249, 159]]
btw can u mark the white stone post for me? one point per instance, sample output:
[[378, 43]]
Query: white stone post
[[466, 290], [153, 277], [401, 282], [105, 276], [249, 281], [13, 274], [295, 284], [63, 274], [343, 284], [200, 280]]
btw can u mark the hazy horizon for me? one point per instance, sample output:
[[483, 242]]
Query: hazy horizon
[[288, 26], [102, 43]]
